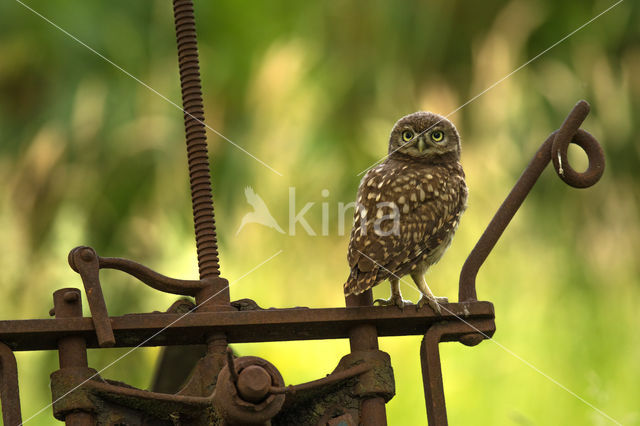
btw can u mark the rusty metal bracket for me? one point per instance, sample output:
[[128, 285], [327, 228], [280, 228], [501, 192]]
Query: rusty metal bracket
[[554, 148], [376, 379], [430, 361]]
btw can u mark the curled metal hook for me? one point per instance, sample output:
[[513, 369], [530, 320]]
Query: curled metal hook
[[553, 149], [570, 132]]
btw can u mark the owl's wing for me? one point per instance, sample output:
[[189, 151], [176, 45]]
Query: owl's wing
[[373, 237], [429, 207]]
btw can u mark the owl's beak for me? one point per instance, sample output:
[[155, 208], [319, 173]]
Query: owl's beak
[[421, 145]]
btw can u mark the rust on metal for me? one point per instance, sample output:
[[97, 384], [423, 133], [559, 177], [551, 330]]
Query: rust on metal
[[72, 350], [71, 406], [152, 278], [84, 261], [242, 402], [254, 384], [330, 379], [430, 361], [215, 296], [239, 326], [258, 395], [555, 147], [9, 393], [197, 151], [233, 374], [70, 398], [364, 337]]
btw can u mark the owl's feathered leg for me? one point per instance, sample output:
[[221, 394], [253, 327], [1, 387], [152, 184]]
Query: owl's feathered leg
[[427, 295], [396, 297]]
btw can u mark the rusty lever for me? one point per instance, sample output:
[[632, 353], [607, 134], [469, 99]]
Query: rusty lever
[[84, 261], [87, 263]]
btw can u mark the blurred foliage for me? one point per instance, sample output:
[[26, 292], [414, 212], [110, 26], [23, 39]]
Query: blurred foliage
[[91, 157]]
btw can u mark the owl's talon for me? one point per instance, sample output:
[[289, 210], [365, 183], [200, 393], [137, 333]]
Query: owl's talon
[[393, 300], [434, 303]]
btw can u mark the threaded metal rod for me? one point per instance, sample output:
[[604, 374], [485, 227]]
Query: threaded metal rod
[[197, 153]]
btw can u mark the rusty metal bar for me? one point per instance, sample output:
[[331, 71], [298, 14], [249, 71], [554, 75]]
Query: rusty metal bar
[[555, 147], [9, 393], [239, 326], [430, 362], [330, 379], [72, 350], [364, 337], [152, 278], [432, 376], [197, 152]]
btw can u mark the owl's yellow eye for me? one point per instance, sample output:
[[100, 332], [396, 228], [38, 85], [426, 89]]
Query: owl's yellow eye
[[407, 135], [437, 135]]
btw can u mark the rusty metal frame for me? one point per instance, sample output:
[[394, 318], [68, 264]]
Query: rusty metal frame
[[263, 325], [250, 390]]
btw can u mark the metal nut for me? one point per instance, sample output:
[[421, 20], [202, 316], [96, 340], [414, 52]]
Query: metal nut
[[253, 383]]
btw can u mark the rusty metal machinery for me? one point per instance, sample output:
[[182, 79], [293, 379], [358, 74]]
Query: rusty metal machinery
[[222, 389]]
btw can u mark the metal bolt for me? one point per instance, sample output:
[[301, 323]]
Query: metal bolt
[[87, 254], [253, 384], [471, 339]]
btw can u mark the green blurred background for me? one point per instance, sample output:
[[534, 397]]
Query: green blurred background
[[88, 156]]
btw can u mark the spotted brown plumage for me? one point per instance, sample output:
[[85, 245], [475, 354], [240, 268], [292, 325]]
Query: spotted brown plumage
[[408, 207]]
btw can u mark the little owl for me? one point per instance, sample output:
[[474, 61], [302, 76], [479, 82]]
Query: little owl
[[408, 208]]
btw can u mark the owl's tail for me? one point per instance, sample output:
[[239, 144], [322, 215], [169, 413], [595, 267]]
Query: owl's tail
[[359, 282]]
